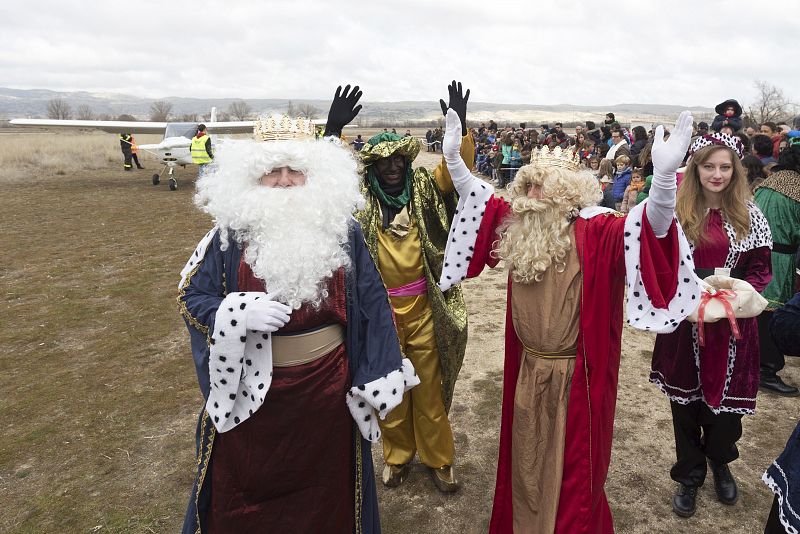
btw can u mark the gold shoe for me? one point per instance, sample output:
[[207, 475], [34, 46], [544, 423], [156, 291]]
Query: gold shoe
[[445, 479], [394, 475]]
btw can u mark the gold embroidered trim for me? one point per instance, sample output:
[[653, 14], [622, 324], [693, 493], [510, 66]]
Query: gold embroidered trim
[[359, 478], [203, 457], [184, 311]]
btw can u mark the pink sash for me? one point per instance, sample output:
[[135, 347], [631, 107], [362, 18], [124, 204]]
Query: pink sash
[[417, 287]]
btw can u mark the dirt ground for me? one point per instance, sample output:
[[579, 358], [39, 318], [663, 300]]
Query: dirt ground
[[100, 400]]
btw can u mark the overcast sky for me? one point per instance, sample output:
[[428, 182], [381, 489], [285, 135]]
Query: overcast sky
[[681, 52]]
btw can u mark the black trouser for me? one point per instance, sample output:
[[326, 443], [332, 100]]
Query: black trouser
[[772, 359], [720, 432], [136, 160], [127, 155], [774, 525]]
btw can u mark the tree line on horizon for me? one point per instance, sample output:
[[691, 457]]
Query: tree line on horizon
[[770, 104]]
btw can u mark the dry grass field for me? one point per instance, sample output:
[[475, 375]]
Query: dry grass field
[[99, 399]]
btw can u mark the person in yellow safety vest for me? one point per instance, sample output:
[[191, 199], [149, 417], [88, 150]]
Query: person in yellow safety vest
[[201, 148], [134, 152]]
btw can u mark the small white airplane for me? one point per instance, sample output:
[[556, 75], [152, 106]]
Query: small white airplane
[[173, 150]]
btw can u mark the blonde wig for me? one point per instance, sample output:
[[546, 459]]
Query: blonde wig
[[537, 233]]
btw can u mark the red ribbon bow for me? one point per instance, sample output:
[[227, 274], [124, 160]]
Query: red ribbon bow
[[720, 295]]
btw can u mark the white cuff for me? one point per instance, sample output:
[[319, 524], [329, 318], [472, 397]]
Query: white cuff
[[640, 310], [474, 196], [240, 364], [381, 395]]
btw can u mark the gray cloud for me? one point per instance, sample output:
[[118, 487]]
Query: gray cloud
[[682, 52]]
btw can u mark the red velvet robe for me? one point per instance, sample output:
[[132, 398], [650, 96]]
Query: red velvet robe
[[583, 507]]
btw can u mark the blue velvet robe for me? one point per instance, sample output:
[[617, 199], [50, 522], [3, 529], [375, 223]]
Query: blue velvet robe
[[371, 343], [783, 475]]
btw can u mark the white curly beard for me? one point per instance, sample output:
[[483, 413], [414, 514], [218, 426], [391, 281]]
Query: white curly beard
[[295, 238]]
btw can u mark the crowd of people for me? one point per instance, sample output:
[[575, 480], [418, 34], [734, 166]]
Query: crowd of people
[[326, 313], [500, 152]]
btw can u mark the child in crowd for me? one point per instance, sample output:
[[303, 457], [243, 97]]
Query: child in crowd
[[729, 117], [605, 175], [622, 179], [632, 191]]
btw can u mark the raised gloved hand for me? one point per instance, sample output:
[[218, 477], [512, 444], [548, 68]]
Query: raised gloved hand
[[451, 144], [267, 315], [668, 155], [343, 110], [451, 150], [458, 103]]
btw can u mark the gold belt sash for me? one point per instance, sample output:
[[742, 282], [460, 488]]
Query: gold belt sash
[[558, 355], [296, 349]]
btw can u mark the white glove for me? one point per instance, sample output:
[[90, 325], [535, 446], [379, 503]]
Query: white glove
[[267, 315], [451, 149], [667, 157]]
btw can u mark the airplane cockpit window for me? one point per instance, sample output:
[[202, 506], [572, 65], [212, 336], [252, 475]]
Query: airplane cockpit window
[[181, 129]]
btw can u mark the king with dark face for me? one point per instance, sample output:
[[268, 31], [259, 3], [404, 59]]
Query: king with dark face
[[406, 221]]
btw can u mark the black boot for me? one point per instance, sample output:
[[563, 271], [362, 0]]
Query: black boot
[[684, 501], [772, 382], [724, 484]]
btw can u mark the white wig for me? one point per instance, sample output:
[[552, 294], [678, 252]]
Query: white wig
[[295, 237]]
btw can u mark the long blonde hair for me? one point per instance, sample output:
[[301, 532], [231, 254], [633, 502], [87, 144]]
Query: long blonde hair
[[691, 207]]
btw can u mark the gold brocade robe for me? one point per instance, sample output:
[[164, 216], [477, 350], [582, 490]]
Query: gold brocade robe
[[431, 208]]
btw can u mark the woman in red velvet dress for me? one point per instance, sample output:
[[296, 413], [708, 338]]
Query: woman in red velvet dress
[[711, 386]]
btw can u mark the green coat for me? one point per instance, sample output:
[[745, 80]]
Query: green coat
[[778, 197]]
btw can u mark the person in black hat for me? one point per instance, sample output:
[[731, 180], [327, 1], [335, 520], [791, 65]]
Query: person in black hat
[[729, 115]]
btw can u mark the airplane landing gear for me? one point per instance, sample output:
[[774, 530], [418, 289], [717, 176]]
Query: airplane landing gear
[[157, 176], [173, 183], [170, 170]]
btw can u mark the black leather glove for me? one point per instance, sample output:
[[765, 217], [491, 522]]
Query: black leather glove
[[458, 101], [343, 110]]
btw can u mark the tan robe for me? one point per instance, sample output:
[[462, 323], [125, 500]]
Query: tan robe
[[545, 316]]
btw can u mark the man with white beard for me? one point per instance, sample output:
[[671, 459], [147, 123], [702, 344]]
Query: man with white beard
[[293, 340], [568, 262]]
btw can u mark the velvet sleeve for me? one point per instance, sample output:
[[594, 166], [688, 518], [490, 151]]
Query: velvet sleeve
[[203, 290], [758, 264], [199, 298], [496, 211], [378, 345], [785, 327]]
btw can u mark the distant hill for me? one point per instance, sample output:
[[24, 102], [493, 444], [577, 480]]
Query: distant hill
[[32, 103]]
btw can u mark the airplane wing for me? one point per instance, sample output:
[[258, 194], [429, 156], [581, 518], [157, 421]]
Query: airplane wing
[[140, 127], [135, 127], [232, 127]]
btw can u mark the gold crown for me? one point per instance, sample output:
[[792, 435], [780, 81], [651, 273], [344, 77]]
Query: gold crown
[[544, 157], [281, 128]]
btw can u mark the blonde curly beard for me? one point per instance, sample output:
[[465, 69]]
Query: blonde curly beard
[[537, 234]]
